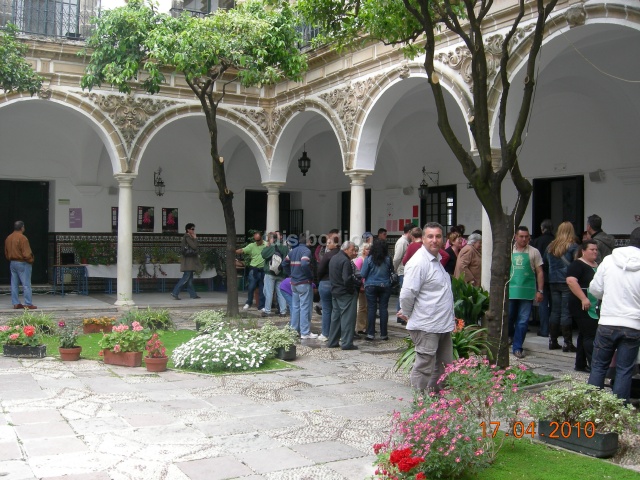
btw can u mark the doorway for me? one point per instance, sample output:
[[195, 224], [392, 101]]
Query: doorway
[[255, 211], [439, 206], [29, 202], [559, 199]]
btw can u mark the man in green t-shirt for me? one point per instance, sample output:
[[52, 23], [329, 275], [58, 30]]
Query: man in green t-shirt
[[255, 269]]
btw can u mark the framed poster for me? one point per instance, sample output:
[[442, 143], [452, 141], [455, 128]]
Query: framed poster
[[169, 220], [75, 218], [145, 220], [114, 220]]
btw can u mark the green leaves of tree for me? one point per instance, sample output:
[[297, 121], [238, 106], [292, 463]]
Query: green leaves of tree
[[16, 74], [259, 43]]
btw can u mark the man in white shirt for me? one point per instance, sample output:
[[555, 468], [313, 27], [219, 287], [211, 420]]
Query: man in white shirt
[[426, 302], [617, 283], [398, 254]]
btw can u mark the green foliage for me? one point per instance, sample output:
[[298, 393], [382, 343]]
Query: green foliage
[[43, 322], [581, 402], [67, 335], [258, 42], [470, 302], [124, 338], [215, 258], [16, 74], [274, 336], [150, 318], [209, 320], [83, 249], [407, 357], [469, 340], [20, 335]]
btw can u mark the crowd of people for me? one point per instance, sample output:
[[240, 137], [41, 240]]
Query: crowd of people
[[574, 281]]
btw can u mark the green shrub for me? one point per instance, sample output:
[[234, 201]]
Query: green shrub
[[150, 319], [470, 302], [275, 337], [44, 322]]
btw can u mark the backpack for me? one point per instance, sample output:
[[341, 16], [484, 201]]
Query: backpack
[[275, 264]]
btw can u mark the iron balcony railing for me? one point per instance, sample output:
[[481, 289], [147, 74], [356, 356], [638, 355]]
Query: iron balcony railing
[[199, 8], [52, 18]]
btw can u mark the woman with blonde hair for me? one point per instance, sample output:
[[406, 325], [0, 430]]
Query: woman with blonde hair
[[559, 255]]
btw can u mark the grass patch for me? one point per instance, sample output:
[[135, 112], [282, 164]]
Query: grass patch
[[524, 459], [171, 340]]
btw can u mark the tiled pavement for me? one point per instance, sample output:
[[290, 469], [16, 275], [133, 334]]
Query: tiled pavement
[[87, 421]]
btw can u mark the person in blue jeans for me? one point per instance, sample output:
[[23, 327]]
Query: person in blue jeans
[[297, 265], [324, 285], [377, 269], [525, 284], [255, 269], [18, 251], [617, 284], [189, 262]]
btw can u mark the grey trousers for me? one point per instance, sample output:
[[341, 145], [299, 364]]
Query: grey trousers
[[343, 320], [433, 352]]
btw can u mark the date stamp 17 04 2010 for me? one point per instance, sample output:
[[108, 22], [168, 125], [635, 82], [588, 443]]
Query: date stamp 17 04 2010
[[558, 429]]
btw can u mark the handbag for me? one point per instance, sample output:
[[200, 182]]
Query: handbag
[[187, 251]]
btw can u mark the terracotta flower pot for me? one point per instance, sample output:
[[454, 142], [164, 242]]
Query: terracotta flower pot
[[95, 328], [124, 359], [70, 354], [156, 364]]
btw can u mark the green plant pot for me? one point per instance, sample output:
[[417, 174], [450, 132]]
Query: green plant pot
[[286, 353], [25, 351], [600, 445]]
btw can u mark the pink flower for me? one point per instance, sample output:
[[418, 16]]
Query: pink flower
[[137, 327], [61, 324], [14, 336], [116, 348], [4, 328]]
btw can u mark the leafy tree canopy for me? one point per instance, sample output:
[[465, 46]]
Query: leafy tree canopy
[[16, 74], [257, 43]]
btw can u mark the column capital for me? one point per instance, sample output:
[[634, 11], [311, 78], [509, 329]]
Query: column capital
[[125, 179], [358, 176], [273, 187]]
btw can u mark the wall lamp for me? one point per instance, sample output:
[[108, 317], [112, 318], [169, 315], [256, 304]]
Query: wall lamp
[[304, 162]]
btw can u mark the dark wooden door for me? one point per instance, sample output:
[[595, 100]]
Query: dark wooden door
[[559, 199], [29, 202], [345, 213]]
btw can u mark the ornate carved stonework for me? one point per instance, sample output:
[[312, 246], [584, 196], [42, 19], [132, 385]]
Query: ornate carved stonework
[[266, 119], [460, 58], [404, 71], [346, 101], [45, 93], [129, 114], [576, 16]]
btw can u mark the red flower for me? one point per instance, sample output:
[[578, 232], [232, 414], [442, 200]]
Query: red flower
[[61, 324], [408, 463], [421, 476], [29, 331], [399, 454], [100, 353], [377, 447]]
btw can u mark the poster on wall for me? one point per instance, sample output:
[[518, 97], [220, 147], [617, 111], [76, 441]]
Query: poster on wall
[[75, 218], [169, 220], [145, 220], [114, 220]]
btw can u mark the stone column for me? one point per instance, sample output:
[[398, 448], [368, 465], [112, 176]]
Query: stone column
[[273, 205], [357, 220], [125, 238]]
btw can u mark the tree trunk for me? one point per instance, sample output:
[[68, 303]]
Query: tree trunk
[[226, 198], [498, 315]]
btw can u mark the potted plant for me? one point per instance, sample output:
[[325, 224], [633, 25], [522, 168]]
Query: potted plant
[[124, 345], [582, 418], [22, 341], [68, 338], [83, 249], [156, 359], [98, 324], [281, 340]]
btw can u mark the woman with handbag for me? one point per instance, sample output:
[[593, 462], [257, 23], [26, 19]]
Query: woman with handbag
[[377, 270], [189, 263]]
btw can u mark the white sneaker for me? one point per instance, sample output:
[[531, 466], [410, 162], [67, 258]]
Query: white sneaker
[[311, 335], [322, 338], [246, 307], [262, 309]]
